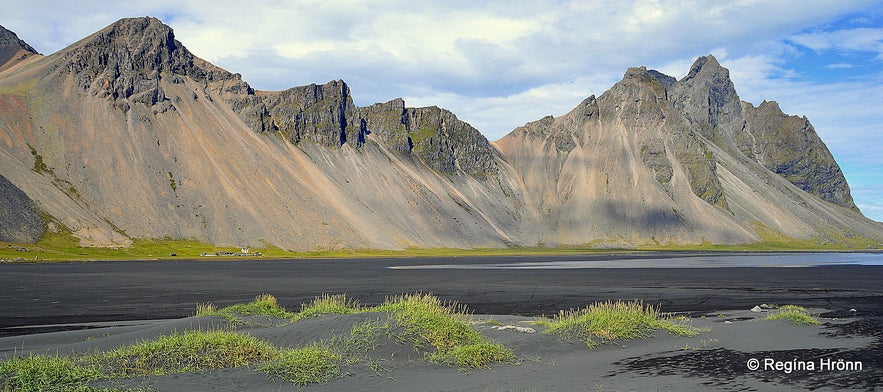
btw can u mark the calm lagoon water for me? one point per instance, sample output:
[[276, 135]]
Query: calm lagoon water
[[687, 261]]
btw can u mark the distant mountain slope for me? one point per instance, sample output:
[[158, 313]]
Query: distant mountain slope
[[654, 159], [143, 139], [126, 134], [13, 50]]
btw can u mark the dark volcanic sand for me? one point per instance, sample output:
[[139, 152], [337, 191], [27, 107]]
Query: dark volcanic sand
[[62, 293], [36, 298]]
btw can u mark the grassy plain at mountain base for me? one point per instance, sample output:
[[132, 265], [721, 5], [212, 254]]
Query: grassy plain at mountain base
[[65, 247]]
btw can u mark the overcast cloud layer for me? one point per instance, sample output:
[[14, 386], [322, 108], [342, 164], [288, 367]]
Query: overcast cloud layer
[[499, 64]]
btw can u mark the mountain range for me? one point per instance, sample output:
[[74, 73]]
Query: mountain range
[[126, 134]]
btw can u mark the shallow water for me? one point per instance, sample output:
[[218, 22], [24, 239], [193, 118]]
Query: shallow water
[[691, 261]]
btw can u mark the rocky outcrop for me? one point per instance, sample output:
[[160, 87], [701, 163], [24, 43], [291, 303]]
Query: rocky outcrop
[[706, 97], [437, 137], [388, 123], [127, 60], [789, 146], [324, 114], [19, 221], [785, 145]]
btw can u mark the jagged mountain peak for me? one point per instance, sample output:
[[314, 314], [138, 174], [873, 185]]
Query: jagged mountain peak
[[145, 28], [707, 96], [642, 77], [130, 56], [145, 43], [707, 65], [770, 105], [635, 72]]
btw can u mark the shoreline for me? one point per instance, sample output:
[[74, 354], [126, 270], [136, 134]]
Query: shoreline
[[421, 253]]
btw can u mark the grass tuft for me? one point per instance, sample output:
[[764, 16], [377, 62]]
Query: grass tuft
[[329, 304], [263, 305], [45, 373], [614, 321], [475, 356], [311, 364], [429, 320], [797, 314], [206, 309], [445, 327], [267, 305], [191, 351]]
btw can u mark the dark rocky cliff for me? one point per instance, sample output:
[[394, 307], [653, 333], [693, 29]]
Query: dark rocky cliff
[[325, 115], [322, 114], [789, 146], [436, 135], [645, 94], [785, 145], [127, 59]]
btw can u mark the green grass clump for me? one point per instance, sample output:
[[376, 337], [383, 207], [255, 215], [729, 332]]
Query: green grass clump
[[316, 363], [263, 305], [446, 329], [267, 305], [328, 304], [442, 326], [191, 351], [613, 321], [321, 361], [797, 314], [45, 373], [206, 309], [478, 355]]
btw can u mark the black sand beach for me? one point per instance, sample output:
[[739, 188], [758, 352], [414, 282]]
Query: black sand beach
[[76, 307], [66, 293]]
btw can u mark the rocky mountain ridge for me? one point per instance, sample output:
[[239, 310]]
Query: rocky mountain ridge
[[13, 50], [189, 150]]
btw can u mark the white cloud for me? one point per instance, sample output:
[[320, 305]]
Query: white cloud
[[868, 200], [846, 40], [839, 66]]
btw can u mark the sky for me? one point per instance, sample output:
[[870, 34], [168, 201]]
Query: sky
[[500, 64]]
